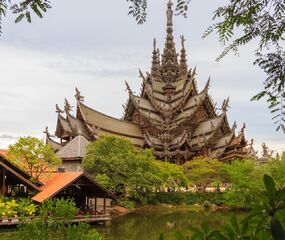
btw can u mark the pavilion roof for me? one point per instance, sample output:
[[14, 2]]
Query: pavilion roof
[[18, 173], [3, 152], [58, 181]]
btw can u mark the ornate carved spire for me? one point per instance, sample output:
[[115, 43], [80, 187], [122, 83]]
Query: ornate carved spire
[[183, 59], [155, 61], [58, 110], [170, 67], [67, 106], [78, 96]]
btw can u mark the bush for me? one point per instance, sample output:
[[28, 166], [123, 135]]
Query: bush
[[127, 203], [12, 208], [54, 222], [176, 198]]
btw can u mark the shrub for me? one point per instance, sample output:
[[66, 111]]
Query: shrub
[[127, 203]]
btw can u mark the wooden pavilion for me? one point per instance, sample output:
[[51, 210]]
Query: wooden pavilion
[[86, 193]]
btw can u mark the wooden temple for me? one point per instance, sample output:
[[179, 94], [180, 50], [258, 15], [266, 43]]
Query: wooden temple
[[169, 115]]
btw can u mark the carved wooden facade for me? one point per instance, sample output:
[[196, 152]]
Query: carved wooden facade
[[169, 115]]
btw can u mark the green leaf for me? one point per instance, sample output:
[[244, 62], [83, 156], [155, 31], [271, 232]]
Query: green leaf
[[270, 187], [276, 229], [28, 17], [20, 17]]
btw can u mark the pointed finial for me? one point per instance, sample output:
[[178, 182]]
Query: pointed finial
[[194, 71], [207, 86], [182, 41], [251, 142], [225, 104], [169, 13], [58, 110], [234, 127], [67, 106], [46, 132], [78, 96], [141, 74], [128, 88], [154, 44], [243, 128]]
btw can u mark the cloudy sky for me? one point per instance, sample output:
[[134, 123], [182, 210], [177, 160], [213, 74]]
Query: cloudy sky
[[96, 46]]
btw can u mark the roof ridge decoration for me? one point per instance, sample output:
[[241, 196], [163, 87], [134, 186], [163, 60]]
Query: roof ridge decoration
[[58, 110], [78, 95], [67, 106]]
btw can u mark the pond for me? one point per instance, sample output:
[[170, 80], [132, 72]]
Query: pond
[[149, 224]]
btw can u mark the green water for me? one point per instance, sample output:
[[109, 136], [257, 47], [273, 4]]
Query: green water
[[148, 225]]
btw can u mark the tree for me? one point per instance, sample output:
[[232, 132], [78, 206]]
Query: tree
[[23, 9], [172, 175], [127, 171], [245, 179], [33, 156], [202, 171]]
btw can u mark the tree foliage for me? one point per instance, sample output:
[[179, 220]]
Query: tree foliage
[[245, 183], [129, 172], [262, 20], [120, 167], [23, 9], [202, 171], [265, 222], [54, 221], [137, 8], [33, 156]]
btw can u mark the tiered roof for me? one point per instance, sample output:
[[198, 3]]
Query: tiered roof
[[170, 114]]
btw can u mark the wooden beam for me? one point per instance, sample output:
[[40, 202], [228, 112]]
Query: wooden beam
[[95, 205], [104, 209]]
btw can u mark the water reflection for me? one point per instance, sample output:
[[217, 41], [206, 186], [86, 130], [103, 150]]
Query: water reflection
[[147, 225]]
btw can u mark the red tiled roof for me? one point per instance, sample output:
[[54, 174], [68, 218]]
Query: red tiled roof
[[3, 152], [55, 184]]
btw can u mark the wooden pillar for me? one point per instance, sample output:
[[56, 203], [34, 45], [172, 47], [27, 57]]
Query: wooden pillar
[[95, 205], [104, 209], [3, 192]]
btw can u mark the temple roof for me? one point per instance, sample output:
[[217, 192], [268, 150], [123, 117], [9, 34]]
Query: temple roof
[[170, 114], [102, 124], [75, 149]]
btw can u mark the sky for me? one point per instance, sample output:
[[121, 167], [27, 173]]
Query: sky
[[96, 46]]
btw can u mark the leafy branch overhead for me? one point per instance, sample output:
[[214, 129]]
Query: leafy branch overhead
[[23, 9], [262, 20], [137, 9]]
